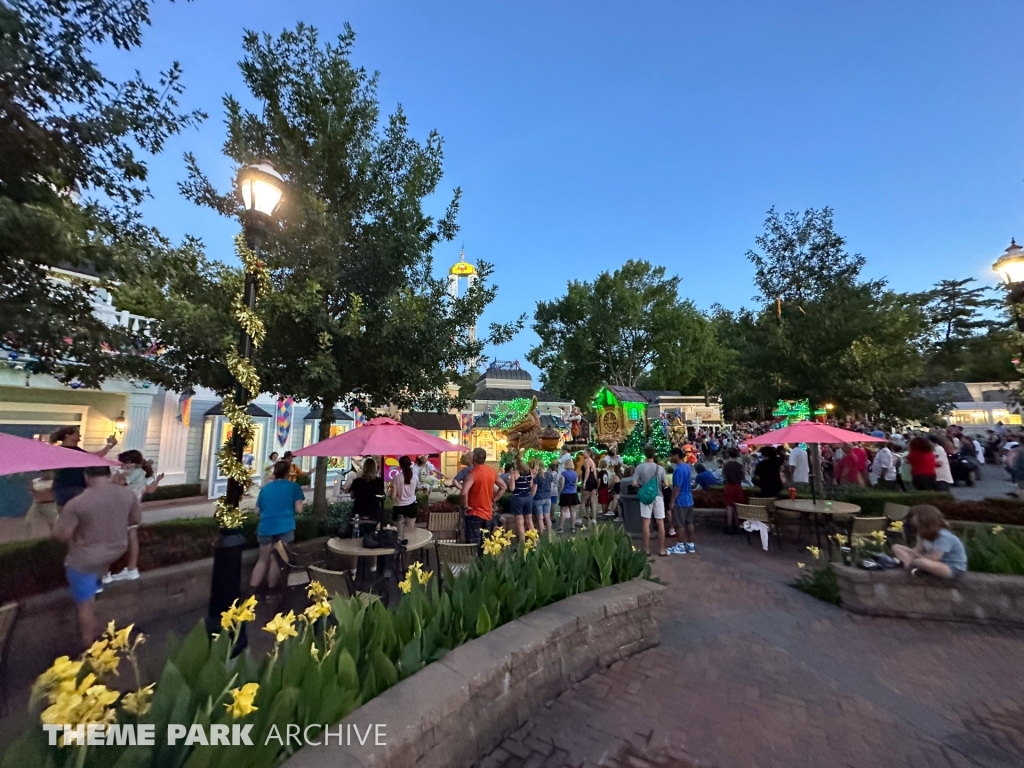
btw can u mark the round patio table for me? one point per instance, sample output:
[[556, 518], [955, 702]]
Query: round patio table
[[418, 538], [385, 584], [830, 510]]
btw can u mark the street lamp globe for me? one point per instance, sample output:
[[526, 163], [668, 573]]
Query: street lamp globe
[[261, 187], [1010, 266]]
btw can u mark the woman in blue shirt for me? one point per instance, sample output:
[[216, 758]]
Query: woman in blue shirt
[[278, 503]]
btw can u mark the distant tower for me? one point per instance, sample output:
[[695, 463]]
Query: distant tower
[[462, 269]]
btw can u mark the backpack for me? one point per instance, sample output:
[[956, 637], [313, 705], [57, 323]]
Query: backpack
[[649, 492]]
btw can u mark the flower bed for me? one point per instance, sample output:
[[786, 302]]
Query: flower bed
[[326, 662]]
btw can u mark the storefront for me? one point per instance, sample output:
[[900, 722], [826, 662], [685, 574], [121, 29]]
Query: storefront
[[337, 466], [217, 431], [443, 425]]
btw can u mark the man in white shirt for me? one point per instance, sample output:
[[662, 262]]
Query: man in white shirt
[[799, 465], [883, 468]]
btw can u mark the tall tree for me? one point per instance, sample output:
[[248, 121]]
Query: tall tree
[[614, 330], [72, 173], [825, 334], [802, 256], [966, 336], [356, 317]]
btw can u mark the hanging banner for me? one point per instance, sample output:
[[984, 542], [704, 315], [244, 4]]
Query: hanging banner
[[184, 409], [467, 420], [285, 410]]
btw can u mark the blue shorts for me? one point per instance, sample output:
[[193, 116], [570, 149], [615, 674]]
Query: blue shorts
[[287, 537], [521, 505], [84, 586], [542, 506]]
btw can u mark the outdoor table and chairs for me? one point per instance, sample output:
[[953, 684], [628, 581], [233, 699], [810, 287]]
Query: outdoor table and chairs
[[821, 510], [417, 539]]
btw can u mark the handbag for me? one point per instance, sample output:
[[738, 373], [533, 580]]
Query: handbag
[[649, 492]]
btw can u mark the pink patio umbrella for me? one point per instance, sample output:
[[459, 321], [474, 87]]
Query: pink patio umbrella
[[19, 454], [812, 432], [380, 437]]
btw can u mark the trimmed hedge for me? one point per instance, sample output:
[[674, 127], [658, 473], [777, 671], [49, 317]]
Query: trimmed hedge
[[872, 503], [180, 491], [32, 567]]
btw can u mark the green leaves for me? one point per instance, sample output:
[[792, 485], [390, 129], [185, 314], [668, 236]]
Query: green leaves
[[613, 330], [359, 651]]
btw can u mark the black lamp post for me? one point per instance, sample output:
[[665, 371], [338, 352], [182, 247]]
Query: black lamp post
[[1010, 268], [260, 186]]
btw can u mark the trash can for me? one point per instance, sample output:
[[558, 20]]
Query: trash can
[[631, 514]]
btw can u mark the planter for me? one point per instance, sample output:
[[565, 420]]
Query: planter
[[981, 598], [456, 710]]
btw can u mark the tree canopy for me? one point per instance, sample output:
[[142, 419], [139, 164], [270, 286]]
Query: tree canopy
[[356, 317], [615, 330], [72, 173]]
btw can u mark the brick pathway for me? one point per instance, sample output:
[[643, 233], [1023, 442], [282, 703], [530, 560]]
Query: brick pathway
[[753, 674]]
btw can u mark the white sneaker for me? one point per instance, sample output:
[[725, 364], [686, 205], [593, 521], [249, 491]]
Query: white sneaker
[[108, 578], [671, 531], [129, 574]]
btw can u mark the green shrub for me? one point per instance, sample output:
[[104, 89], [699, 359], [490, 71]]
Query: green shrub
[[333, 665], [180, 491], [820, 583], [455, 499], [33, 567], [1000, 552]]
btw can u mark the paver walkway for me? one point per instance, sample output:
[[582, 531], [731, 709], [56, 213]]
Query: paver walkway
[[753, 674]]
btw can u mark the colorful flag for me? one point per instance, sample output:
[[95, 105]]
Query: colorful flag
[[184, 409], [467, 420], [285, 407]]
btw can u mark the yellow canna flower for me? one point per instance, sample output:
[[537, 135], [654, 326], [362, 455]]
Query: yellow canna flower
[[814, 551], [317, 592], [282, 627], [138, 702], [405, 586], [102, 657], [801, 566], [242, 699], [237, 614], [997, 529], [118, 638], [531, 539], [896, 525], [62, 672], [86, 703], [315, 611], [878, 536], [314, 652]]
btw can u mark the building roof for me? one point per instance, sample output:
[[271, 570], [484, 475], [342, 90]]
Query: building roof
[[509, 393], [507, 374], [946, 392], [252, 409], [654, 394], [316, 413], [483, 421], [431, 421], [626, 394]]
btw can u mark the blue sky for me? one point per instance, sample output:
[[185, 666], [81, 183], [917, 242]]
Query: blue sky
[[587, 133]]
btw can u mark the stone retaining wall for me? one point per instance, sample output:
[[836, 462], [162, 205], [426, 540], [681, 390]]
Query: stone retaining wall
[[456, 710], [47, 624], [985, 598]]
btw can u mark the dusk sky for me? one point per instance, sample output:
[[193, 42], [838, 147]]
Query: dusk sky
[[587, 133]]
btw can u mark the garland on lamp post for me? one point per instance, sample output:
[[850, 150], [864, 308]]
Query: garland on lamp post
[[228, 515]]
